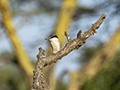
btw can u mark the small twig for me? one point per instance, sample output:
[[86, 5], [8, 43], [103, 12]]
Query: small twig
[[79, 34], [70, 46], [67, 36]]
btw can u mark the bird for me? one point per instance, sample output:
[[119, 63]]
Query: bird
[[54, 42]]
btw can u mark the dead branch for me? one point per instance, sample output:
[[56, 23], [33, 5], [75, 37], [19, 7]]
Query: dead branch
[[38, 82]]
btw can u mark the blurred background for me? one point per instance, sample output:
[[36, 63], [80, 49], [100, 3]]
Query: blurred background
[[24, 25]]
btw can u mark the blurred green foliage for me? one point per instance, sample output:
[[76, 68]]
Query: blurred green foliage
[[61, 85], [108, 78], [11, 78]]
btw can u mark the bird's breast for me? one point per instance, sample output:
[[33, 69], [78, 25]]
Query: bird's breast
[[55, 45]]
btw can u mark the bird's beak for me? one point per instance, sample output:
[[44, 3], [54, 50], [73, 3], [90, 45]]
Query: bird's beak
[[47, 39]]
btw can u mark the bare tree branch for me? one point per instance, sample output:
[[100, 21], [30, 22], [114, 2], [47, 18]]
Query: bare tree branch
[[38, 82]]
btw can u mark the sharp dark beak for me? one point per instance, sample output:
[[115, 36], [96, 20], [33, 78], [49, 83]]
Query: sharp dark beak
[[47, 39]]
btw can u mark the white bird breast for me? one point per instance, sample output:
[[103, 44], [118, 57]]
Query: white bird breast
[[55, 44]]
